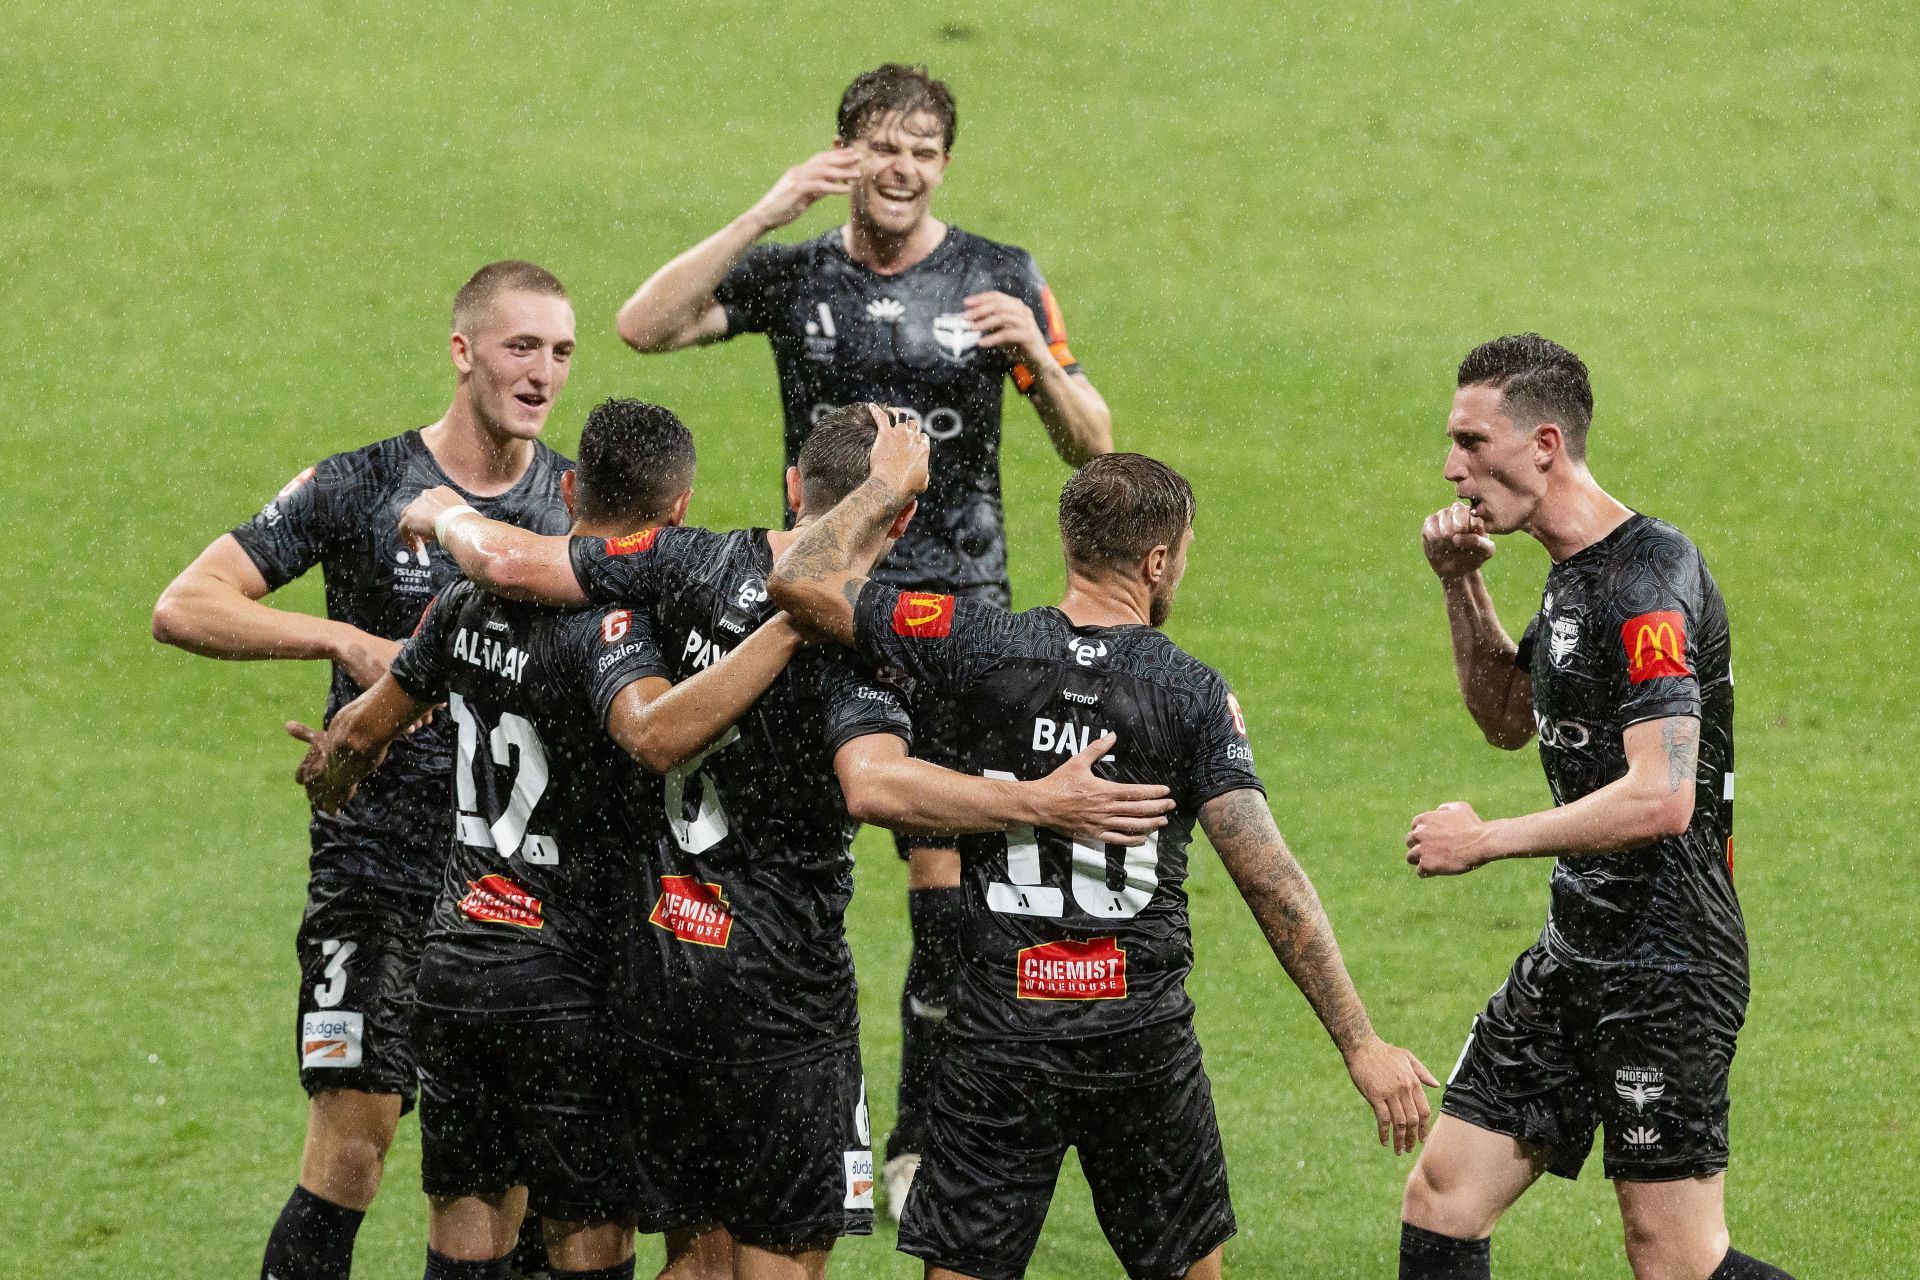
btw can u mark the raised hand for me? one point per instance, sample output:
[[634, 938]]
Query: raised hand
[[899, 454], [1075, 802], [827, 173], [1005, 321], [1390, 1079], [1455, 541], [1448, 841]]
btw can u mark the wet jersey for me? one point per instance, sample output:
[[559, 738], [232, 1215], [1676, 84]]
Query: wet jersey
[[343, 514], [1066, 942], [745, 912], [842, 333], [550, 815], [1633, 628]]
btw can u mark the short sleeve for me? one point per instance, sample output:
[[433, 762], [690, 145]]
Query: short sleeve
[[421, 665], [854, 703], [1523, 656], [289, 535], [616, 648], [1222, 755], [756, 289], [1653, 665], [618, 571], [943, 641], [1032, 289]]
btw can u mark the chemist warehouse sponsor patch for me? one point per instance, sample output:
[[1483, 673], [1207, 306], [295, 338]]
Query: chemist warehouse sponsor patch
[[1091, 970]]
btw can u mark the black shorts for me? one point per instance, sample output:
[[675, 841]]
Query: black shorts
[[778, 1152], [1563, 1048], [536, 1104], [1150, 1148], [359, 948], [936, 726]]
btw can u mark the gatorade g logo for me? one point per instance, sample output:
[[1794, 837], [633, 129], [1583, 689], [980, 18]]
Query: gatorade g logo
[[693, 911], [1091, 970], [1656, 645], [632, 542], [923, 616], [615, 625]]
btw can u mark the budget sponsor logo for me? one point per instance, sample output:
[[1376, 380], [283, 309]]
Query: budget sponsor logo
[[630, 543], [693, 910], [1066, 970], [331, 1039], [923, 616], [498, 900], [859, 1168], [1656, 645]]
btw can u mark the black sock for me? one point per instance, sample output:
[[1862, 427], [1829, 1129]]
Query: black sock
[[935, 916], [1428, 1255], [619, 1271], [1738, 1266], [313, 1240], [529, 1257], [441, 1267]]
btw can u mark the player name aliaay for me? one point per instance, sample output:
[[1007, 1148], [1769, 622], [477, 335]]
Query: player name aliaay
[[489, 654]]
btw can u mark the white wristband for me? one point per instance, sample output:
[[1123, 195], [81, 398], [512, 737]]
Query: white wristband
[[446, 518]]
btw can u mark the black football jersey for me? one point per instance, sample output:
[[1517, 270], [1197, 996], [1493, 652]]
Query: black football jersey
[[842, 333], [1066, 942], [550, 816], [343, 514], [745, 908], [1633, 628]]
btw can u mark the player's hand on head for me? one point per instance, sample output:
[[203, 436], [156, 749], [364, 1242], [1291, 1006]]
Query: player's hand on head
[[900, 452], [1447, 841], [367, 658], [1455, 541], [827, 173], [1391, 1079], [1005, 321], [417, 520], [1076, 802]]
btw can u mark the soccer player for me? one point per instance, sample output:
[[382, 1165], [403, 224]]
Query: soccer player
[[523, 1096], [1625, 1012], [899, 308], [376, 863], [749, 1057], [1071, 1025]]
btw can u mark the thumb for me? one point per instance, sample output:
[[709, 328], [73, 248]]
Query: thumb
[[1089, 755], [1420, 1069], [302, 732]]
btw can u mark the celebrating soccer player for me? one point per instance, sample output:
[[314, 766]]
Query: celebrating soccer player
[[900, 308], [376, 864], [1625, 1012], [745, 1023], [1070, 1023]]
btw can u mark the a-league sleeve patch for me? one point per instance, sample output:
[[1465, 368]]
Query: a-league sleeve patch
[[923, 616], [632, 542], [1656, 645]]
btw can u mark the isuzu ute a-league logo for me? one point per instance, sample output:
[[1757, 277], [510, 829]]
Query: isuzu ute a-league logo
[[957, 338], [822, 337], [1640, 1085]]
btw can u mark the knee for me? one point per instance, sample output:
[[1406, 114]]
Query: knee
[[1440, 1203], [349, 1166], [1664, 1250]]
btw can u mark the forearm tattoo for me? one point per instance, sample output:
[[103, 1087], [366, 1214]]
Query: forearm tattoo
[[1680, 739]]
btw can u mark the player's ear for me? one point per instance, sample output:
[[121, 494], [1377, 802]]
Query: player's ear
[[1154, 567], [794, 489], [901, 521], [1548, 443], [461, 351], [677, 513], [567, 481]]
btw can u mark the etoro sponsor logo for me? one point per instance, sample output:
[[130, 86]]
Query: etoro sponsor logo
[[859, 1168], [1656, 645], [1087, 652], [1067, 970], [752, 591], [632, 542], [693, 910], [331, 1039], [498, 900], [1640, 1085]]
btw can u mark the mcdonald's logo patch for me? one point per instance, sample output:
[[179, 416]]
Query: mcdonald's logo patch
[[923, 616], [632, 542], [1656, 646]]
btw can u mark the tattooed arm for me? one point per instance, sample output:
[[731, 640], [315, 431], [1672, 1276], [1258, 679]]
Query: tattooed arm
[[1288, 910], [819, 578], [1652, 801]]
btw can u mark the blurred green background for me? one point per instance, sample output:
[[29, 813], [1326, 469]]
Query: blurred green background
[[232, 234]]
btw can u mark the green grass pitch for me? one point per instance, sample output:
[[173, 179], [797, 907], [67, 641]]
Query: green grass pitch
[[232, 232]]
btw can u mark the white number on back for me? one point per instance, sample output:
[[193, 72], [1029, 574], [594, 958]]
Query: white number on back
[[512, 744], [708, 826], [1026, 893]]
